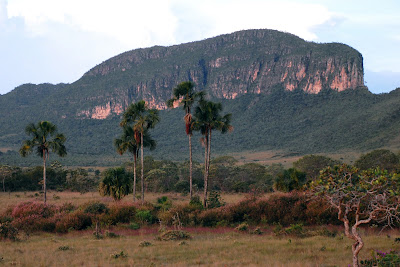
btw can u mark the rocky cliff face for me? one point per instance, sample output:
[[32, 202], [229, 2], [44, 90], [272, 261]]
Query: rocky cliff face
[[227, 66]]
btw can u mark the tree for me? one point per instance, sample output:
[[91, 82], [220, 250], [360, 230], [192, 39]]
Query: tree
[[142, 119], [186, 97], [291, 179], [41, 140], [115, 183], [130, 141], [208, 118], [359, 197], [313, 164], [382, 158], [5, 171]]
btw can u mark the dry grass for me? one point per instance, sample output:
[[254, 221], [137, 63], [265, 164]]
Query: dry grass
[[212, 248], [209, 246], [276, 157]]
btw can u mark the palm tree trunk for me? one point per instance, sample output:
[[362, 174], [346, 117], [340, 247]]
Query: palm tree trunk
[[205, 170], [134, 177], [190, 167], [141, 154], [44, 176], [209, 153]]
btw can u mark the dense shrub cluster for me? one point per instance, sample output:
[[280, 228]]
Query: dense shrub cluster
[[283, 209]]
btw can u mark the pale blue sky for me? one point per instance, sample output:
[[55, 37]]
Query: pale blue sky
[[59, 40]]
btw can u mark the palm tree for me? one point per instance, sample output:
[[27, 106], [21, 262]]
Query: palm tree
[[186, 97], [142, 118], [115, 183], [130, 141], [41, 134], [208, 118]]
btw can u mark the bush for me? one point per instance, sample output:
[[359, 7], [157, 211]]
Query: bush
[[77, 220], [144, 216], [33, 216], [173, 235], [382, 259], [134, 226], [163, 203], [111, 234], [96, 208], [26, 209], [119, 213], [214, 200], [7, 231], [195, 203], [296, 230], [242, 227]]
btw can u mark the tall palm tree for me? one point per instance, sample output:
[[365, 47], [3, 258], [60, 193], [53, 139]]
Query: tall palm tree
[[130, 141], [142, 118], [41, 140], [208, 118], [186, 97]]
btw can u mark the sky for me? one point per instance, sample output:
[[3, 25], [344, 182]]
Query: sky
[[57, 41]]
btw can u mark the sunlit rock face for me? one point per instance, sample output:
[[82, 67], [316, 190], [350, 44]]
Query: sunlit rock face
[[227, 66]]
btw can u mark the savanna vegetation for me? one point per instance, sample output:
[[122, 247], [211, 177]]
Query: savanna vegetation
[[307, 201]]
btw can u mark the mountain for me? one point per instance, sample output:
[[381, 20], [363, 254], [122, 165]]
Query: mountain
[[284, 93]]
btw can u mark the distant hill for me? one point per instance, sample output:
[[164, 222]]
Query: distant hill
[[285, 94]]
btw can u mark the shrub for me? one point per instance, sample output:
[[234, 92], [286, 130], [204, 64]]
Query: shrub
[[163, 203], [214, 200], [111, 234], [121, 254], [296, 230], [145, 244], [134, 226], [7, 231], [26, 209], [382, 259], [195, 203], [210, 218], [96, 208], [144, 216], [173, 235], [188, 214], [77, 220], [67, 207], [119, 213], [257, 231], [242, 227]]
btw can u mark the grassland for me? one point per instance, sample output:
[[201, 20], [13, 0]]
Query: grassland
[[220, 246], [208, 247]]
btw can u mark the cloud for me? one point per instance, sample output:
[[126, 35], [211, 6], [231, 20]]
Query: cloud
[[3, 12], [218, 17], [165, 22], [134, 23]]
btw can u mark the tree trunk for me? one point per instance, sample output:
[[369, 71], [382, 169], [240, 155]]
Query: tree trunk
[[209, 153], [44, 176], [4, 187], [134, 177], [359, 244], [190, 167], [141, 154], [205, 170]]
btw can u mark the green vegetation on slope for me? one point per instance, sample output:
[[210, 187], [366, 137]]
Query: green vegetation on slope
[[295, 122]]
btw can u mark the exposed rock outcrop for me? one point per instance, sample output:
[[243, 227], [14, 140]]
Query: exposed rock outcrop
[[227, 66]]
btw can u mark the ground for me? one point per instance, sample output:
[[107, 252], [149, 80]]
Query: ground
[[220, 246]]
